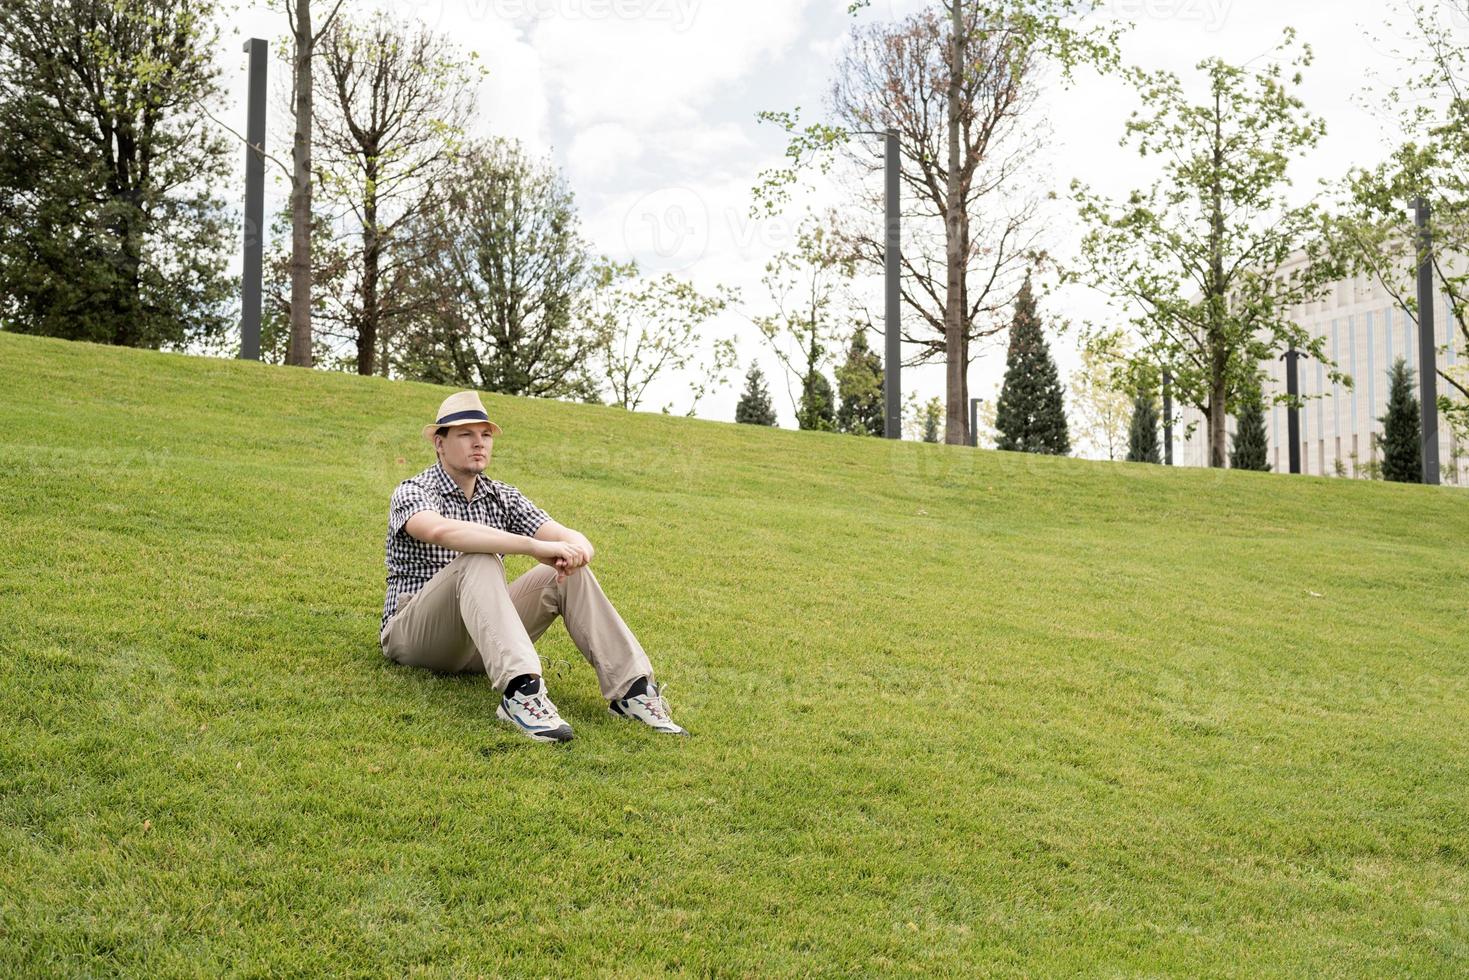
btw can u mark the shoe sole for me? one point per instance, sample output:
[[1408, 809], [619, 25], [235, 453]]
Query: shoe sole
[[562, 734]]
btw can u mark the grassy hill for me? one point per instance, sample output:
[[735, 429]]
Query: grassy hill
[[954, 711]]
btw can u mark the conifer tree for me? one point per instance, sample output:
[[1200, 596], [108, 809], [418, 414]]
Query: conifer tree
[[1031, 415], [859, 388], [1402, 456], [1250, 447], [818, 404], [754, 407], [1142, 435]]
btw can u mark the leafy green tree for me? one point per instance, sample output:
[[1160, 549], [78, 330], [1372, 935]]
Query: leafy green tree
[[1031, 414], [109, 229], [818, 404], [1402, 452], [1207, 258], [809, 287], [504, 275], [1427, 105], [754, 407], [859, 387], [1250, 445], [1142, 434], [1098, 391]]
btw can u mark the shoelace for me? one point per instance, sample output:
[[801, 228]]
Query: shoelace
[[537, 706], [657, 704]]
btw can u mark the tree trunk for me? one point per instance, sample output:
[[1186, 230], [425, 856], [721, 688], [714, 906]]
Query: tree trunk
[[956, 419], [1218, 297], [299, 351], [371, 245]]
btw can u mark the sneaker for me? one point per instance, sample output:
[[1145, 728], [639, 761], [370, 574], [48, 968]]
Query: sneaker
[[650, 708], [530, 710]]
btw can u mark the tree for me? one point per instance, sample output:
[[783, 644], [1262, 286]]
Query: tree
[[652, 326], [1142, 434], [504, 272], [818, 404], [809, 288], [1217, 226], [298, 14], [1099, 395], [754, 407], [398, 99], [1402, 452], [1428, 105], [931, 418], [958, 81], [1250, 449], [109, 230], [1031, 415], [860, 389]]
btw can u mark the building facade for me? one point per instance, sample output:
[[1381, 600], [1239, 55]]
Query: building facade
[[1365, 331]]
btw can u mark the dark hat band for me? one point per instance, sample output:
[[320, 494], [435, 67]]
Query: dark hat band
[[473, 415]]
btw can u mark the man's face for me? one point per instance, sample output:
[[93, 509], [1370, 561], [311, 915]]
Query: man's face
[[466, 448]]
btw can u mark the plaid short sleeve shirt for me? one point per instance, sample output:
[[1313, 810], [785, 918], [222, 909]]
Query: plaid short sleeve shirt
[[411, 562]]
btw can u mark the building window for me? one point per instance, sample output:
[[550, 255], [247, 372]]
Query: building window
[[1352, 365], [1371, 375]]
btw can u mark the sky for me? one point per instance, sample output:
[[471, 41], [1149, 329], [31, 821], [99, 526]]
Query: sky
[[649, 108]]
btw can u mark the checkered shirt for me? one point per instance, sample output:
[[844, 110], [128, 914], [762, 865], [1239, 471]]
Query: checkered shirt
[[411, 562]]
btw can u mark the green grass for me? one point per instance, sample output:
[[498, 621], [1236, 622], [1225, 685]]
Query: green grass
[[954, 711]]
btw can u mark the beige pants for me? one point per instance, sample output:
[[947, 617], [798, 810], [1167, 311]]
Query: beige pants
[[467, 618]]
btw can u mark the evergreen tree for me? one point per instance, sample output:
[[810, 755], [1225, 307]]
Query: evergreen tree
[[818, 410], [1402, 456], [1142, 435], [859, 386], [1031, 415], [754, 407], [1249, 451], [933, 418]]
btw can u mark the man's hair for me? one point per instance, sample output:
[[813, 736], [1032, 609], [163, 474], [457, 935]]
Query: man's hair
[[442, 430]]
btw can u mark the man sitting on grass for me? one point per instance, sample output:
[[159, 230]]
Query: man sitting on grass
[[449, 607]]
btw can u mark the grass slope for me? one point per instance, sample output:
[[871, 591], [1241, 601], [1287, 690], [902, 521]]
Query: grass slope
[[954, 711]]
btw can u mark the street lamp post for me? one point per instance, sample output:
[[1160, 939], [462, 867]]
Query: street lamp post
[[1292, 412], [250, 288], [892, 310], [1427, 349], [974, 421]]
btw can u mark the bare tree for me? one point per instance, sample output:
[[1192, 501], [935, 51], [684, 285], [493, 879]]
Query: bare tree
[[649, 327], [399, 99], [298, 12], [958, 82], [809, 288]]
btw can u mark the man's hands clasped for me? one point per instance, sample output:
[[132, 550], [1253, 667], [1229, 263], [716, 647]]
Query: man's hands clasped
[[565, 556]]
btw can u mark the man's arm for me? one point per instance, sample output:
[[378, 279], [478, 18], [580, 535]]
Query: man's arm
[[469, 537]]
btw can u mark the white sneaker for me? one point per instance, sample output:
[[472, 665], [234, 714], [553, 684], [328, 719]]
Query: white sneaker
[[533, 714], [650, 708]]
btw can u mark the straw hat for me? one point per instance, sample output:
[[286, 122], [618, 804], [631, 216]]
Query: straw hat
[[460, 408]]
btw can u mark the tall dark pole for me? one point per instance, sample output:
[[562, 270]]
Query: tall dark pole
[[1167, 417], [1427, 349], [254, 202], [974, 421], [892, 269], [1293, 414]]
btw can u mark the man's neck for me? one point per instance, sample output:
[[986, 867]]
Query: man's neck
[[465, 481]]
